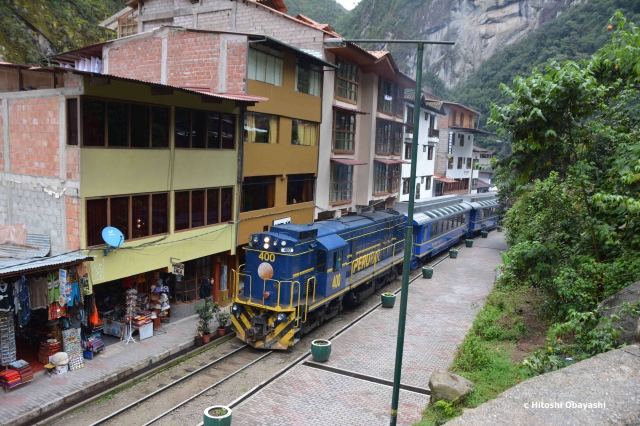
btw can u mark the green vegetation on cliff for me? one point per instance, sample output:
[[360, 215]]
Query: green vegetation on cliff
[[322, 11], [29, 29]]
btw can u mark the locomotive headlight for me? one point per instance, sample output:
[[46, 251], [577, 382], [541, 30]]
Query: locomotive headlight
[[235, 308], [281, 317], [255, 239], [266, 239], [266, 246], [283, 243]]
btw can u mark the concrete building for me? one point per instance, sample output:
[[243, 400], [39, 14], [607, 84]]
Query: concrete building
[[427, 145], [82, 151]]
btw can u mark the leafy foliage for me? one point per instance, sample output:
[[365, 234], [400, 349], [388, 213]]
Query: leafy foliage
[[31, 29], [322, 11], [572, 183]]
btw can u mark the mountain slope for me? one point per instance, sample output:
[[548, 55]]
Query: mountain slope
[[322, 11], [31, 29]]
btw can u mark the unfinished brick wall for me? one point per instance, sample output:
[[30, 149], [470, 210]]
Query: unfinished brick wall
[[218, 20], [73, 163], [34, 136], [73, 222], [184, 21], [141, 59], [192, 59], [236, 66]]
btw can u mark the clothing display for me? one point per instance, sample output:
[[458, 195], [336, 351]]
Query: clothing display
[[6, 297], [9, 379], [38, 291], [23, 307], [24, 369]]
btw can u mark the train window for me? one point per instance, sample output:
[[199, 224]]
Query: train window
[[354, 248], [321, 261], [464, 217], [425, 234], [337, 260]]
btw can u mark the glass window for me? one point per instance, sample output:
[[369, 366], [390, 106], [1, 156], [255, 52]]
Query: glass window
[[430, 153], [405, 186], [140, 215], [159, 213], [265, 64], [381, 177], [321, 261], [260, 128], [213, 130], [118, 124], [461, 138], [427, 182], [140, 125], [97, 220], [468, 163], [226, 205], [119, 214], [182, 128], [160, 127], [450, 163], [228, 131], [199, 129], [341, 183], [213, 202], [181, 209], [197, 208], [460, 161], [304, 132], [346, 81], [258, 192], [308, 78], [200, 207], [204, 129], [344, 131], [300, 188], [93, 122], [72, 121], [388, 138], [407, 151], [386, 93]]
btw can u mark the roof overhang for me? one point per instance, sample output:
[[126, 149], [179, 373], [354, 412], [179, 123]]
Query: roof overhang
[[469, 130], [444, 179], [348, 162], [387, 161], [350, 109], [9, 267], [301, 54]]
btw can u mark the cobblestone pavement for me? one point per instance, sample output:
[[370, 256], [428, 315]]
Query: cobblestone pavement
[[119, 360], [439, 314]]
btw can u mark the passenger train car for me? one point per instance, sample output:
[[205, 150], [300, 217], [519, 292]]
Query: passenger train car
[[297, 276]]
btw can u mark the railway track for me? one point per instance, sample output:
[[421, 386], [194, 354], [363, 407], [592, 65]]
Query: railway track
[[191, 389]]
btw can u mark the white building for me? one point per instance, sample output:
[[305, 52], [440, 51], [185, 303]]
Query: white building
[[427, 146]]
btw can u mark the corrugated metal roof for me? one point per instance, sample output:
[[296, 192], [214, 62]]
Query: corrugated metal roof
[[17, 266], [35, 245]]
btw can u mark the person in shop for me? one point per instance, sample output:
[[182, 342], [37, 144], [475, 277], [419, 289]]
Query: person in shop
[[205, 290]]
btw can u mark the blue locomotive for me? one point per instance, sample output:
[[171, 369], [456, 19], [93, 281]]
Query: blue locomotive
[[297, 276]]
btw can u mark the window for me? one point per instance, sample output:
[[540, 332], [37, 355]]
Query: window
[[72, 121], [304, 132], [424, 148], [308, 78], [386, 178], [460, 161], [258, 192], [136, 216], [450, 163], [407, 151], [204, 129], [410, 116], [453, 117], [124, 124], [430, 154], [468, 163], [344, 131], [388, 138], [390, 98], [321, 261], [474, 183], [427, 183], [346, 81], [417, 191], [300, 188], [461, 137], [405, 186], [341, 183], [260, 128], [337, 260], [461, 119], [265, 64], [202, 207]]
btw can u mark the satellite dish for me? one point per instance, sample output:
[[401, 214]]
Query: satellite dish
[[113, 237]]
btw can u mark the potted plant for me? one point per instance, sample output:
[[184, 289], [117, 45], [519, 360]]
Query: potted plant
[[468, 243], [223, 318], [453, 253], [218, 415], [388, 299], [484, 233], [427, 272], [205, 315], [320, 350]]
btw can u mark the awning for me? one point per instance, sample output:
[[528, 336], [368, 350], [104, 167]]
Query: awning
[[36, 245], [481, 184], [348, 162], [444, 179], [19, 266], [385, 161], [350, 109]]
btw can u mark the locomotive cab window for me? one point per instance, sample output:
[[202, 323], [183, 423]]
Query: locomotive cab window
[[321, 263], [337, 260]]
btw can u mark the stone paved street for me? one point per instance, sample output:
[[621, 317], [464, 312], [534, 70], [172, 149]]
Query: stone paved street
[[439, 314], [119, 360]]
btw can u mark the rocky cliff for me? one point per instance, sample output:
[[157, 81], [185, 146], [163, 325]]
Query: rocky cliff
[[480, 28]]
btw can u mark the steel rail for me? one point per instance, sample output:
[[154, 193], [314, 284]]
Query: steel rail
[[162, 389]]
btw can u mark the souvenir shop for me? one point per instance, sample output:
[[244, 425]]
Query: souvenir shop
[[46, 321]]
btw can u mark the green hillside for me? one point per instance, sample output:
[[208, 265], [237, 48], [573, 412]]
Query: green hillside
[[322, 11], [29, 27]]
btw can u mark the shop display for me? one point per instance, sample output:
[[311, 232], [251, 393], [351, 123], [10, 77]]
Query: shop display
[[7, 339], [24, 369], [48, 349], [9, 379], [71, 344]]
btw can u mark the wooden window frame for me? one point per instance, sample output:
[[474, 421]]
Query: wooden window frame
[[350, 83], [129, 232], [393, 143], [430, 152], [78, 120], [192, 112], [206, 207], [460, 162], [346, 132], [333, 184], [106, 123]]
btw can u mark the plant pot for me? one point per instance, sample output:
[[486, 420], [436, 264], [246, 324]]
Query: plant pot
[[468, 243], [320, 350], [388, 301], [453, 253], [484, 234], [198, 340], [206, 337], [427, 272], [221, 331], [211, 419]]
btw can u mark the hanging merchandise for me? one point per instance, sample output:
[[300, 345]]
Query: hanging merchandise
[[38, 291], [7, 339], [6, 297], [71, 344]]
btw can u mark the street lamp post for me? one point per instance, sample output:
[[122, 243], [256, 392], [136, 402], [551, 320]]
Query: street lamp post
[[408, 242]]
